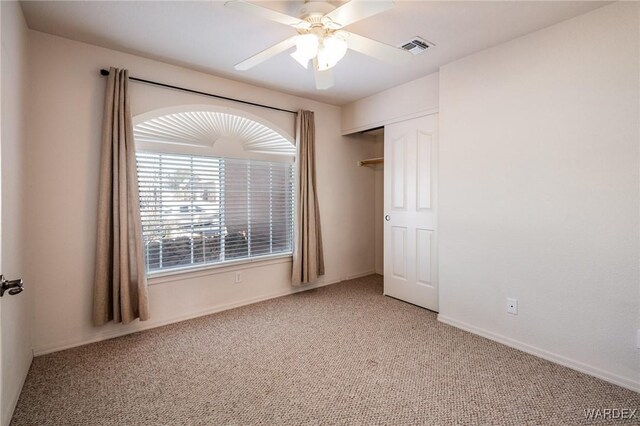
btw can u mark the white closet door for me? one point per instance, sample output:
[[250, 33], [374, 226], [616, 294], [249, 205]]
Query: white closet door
[[410, 227]]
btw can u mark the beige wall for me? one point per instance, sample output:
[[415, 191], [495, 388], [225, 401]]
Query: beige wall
[[410, 100], [539, 192], [16, 310], [378, 182], [65, 110]]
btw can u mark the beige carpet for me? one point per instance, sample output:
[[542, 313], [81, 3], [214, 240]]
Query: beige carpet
[[342, 354]]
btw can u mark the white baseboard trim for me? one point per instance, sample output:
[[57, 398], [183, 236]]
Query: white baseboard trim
[[8, 414], [147, 325], [549, 356], [360, 275]]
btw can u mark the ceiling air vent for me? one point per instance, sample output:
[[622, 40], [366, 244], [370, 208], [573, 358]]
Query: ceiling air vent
[[417, 45]]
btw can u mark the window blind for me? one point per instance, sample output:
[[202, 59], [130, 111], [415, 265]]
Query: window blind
[[199, 210]]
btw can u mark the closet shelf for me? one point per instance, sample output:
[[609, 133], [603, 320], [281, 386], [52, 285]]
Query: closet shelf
[[371, 161]]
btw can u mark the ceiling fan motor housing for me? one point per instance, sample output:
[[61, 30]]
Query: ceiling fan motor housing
[[314, 10]]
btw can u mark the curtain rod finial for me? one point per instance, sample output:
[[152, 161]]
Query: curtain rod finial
[[104, 72]]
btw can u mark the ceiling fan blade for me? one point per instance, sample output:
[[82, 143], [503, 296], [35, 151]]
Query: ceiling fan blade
[[356, 10], [324, 79], [376, 49], [266, 13], [266, 54]]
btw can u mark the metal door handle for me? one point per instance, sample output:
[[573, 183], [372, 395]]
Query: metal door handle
[[13, 286], [387, 218]]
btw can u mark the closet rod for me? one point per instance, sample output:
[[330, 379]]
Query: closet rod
[[105, 72], [371, 161]]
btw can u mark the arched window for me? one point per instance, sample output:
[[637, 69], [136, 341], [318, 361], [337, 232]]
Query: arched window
[[216, 186]]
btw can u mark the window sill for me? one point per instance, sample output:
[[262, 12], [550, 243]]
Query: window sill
[[205, 270]]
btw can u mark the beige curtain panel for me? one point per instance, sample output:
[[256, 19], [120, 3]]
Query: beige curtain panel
[[120, 285], [308, 257]]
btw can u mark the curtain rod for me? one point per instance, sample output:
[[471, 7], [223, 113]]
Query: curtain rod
[[105, 72]]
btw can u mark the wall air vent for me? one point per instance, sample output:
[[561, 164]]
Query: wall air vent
[[417, 45]]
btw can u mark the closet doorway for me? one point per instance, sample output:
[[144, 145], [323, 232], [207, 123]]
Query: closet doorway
[[406, 210]]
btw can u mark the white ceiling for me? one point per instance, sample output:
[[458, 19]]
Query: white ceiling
[[208, 37]]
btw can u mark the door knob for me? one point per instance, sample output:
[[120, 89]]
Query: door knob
[[13, 286], [387, 218]]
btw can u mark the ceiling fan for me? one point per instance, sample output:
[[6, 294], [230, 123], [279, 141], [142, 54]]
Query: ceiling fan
[[320, 38]]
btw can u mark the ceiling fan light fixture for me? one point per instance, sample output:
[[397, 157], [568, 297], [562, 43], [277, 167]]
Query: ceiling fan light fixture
[[301, 59], [333, 48], [306, 49], [328, 23]]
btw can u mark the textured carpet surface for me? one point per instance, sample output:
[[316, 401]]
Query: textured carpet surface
[[342, 354]]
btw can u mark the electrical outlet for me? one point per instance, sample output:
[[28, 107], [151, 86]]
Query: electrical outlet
[[512, 306], [238, 277]]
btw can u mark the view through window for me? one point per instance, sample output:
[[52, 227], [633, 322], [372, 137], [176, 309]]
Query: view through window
[[198, 210]]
